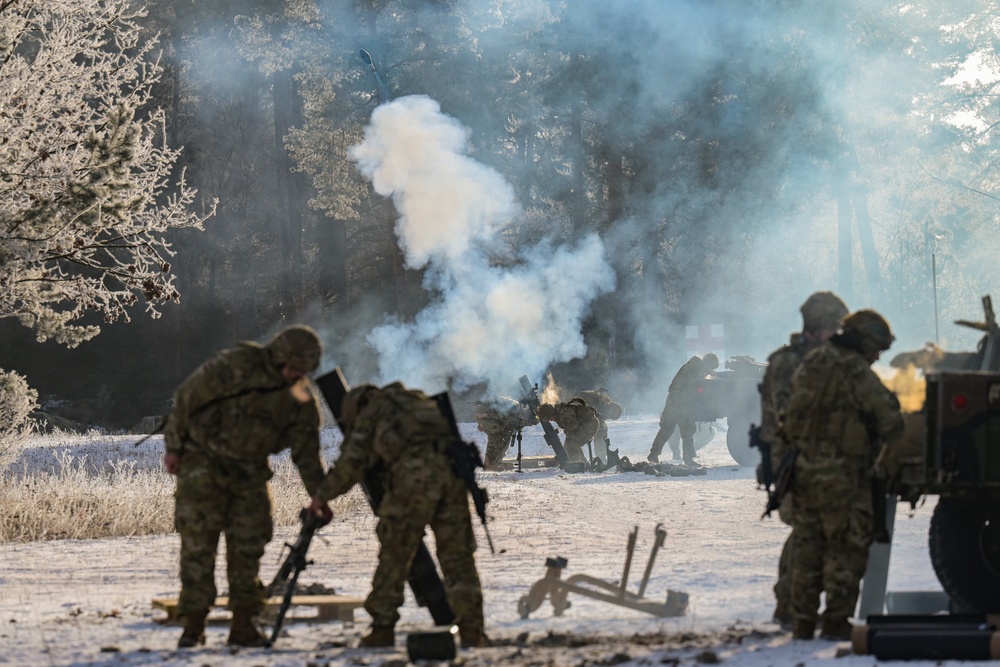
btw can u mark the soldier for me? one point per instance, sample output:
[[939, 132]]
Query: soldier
[[605, 407], [837, 415], [578, 421], [821, 314], [500, 420], [234, 411], [679, 404], [402, 433]]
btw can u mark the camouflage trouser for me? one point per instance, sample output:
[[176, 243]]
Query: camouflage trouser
[[420, 491], [577, 438], [208, 501], [497, 443], [670, 419], [831, 531], [783, 587]]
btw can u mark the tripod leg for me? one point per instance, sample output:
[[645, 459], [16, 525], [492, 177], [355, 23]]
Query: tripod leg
[[518, 436]]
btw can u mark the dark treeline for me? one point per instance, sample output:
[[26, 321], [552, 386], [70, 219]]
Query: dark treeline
[[716, 148]]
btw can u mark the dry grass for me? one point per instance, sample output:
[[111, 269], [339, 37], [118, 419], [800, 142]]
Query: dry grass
[[94, 486]]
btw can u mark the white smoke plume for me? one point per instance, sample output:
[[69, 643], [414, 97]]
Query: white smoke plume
[[488, 324]]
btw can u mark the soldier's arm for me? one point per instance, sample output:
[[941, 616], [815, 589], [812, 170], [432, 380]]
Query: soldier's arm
[[882, 408], [356, 457], [569, 420], [303, 440]]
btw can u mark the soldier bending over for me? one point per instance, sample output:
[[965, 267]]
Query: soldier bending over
[[679, 404], [401, 433]]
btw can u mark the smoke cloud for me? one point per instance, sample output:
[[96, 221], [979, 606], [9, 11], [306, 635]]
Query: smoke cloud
[[488, 323]]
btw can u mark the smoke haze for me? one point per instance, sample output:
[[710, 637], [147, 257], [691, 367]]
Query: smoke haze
[[746, 111], [486, 323]]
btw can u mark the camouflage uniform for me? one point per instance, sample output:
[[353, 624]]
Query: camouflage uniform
[[402, 433], [821, 315], [228, 417], [500, 420], [578, 421], [606, 408], [837, 414], [679, 405]]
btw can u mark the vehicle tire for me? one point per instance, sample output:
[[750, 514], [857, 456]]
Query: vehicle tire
[[964, 541], [738, 443]]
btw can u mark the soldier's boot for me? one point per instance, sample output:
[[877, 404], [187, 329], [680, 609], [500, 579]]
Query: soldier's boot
[[803, 629], [194, 629], [379, 636], [653, 458], [473, 637], [243, 630], [836, 630]]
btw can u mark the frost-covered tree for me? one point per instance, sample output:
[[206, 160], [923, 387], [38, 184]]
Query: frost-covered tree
[[87, 184], [17, 400]]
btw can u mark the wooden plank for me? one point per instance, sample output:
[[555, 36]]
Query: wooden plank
[[328, 607]]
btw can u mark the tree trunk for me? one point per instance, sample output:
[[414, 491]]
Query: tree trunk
[[289, 222], [332, 239]]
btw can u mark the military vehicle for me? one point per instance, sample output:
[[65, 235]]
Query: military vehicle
[[958, 460], [733, 394]]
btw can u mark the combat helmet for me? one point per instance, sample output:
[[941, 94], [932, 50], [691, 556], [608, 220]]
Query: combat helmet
[[822, 310], [298, 346], [711, 360], [869, 329]]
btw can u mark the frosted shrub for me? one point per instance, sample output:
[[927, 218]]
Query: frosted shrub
[[17, 400], [87, 487]]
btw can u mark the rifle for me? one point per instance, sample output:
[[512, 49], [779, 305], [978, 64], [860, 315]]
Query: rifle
[[291, 568], [782, 483], [765, 473], [465, 458], [777, 484], [423, 578], [551, 437], [158, 429]]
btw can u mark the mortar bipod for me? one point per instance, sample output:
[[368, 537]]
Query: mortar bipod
[[553, 586]]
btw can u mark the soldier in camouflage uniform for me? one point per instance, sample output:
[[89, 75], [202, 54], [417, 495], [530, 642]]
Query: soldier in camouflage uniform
[[500, 420], [402, 433], [605, 407], [837, 415], [228, 417], [578, 421], [679, 404], [821, 314]]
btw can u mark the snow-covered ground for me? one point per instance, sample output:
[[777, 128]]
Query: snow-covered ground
[[87, 602]]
